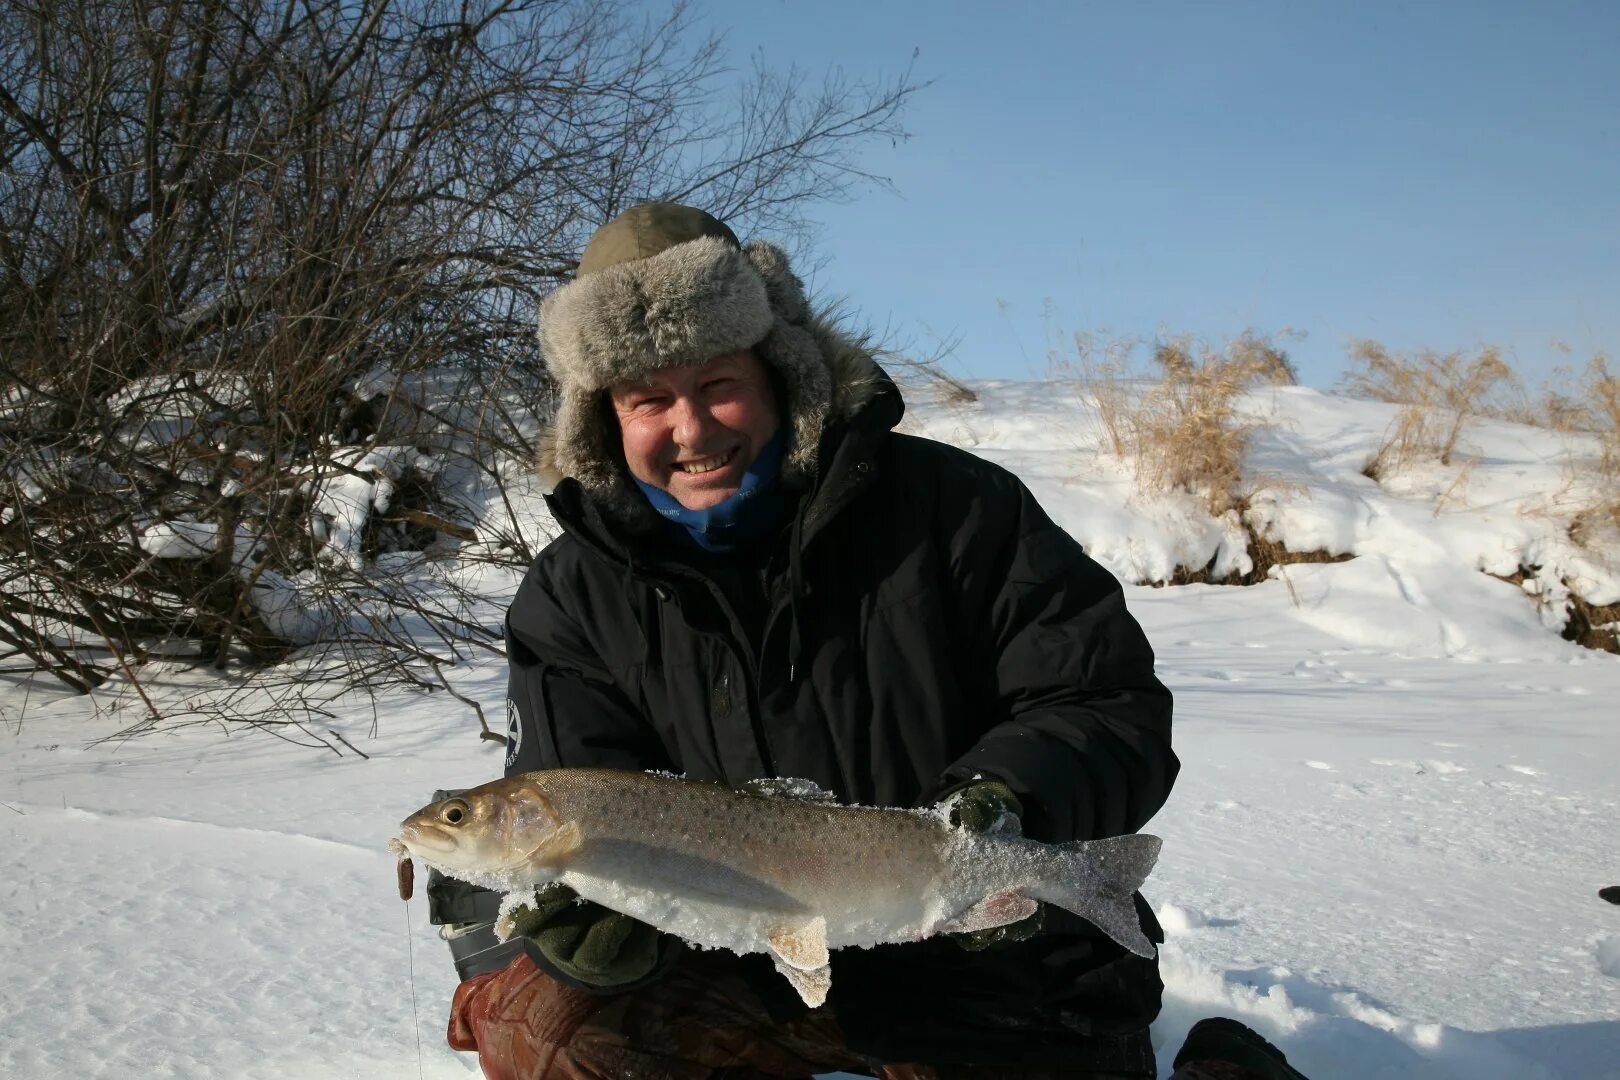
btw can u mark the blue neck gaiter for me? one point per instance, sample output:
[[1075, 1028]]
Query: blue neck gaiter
[[755, 510]]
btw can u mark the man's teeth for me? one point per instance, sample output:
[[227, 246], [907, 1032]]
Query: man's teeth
[[706, 464]]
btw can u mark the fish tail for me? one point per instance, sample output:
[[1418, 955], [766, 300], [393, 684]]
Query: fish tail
[[1095, 879]]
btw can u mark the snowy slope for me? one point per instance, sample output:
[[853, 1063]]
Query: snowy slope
[[1398, 801]]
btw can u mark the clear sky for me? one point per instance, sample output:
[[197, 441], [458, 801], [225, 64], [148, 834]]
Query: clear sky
[[1426, 174]]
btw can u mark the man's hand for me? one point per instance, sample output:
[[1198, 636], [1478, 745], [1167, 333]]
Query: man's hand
[[586, 941], [983, 806]]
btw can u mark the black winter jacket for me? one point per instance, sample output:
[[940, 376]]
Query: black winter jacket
[[919, 622]]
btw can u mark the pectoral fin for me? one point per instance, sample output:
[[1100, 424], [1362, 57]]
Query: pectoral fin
[[556, 847], [998, 909], [811, 985], [802, 947]]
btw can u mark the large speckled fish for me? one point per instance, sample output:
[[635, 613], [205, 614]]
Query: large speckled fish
[[777, 868]]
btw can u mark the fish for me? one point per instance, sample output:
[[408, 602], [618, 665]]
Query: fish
[[776, 867]]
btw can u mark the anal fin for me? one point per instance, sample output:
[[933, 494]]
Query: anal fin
[[812, 985], [802, 947]]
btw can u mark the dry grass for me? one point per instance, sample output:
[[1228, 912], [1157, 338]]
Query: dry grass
[[1179, 424], [1438, 393], [1592, 408], [1600, 414]]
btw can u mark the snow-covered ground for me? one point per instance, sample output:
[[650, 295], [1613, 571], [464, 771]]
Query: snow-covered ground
[[1400, 794]]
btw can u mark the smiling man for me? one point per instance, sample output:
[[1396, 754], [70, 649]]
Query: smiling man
[[758, 577]]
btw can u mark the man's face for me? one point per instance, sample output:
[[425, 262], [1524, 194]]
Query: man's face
[[694, 431]]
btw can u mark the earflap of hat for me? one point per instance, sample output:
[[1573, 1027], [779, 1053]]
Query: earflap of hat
[[580, 444], [791, 351]]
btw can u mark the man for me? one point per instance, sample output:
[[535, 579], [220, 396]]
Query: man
[[758, 577]]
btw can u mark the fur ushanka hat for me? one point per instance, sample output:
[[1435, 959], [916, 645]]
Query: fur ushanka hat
[[664, 285]]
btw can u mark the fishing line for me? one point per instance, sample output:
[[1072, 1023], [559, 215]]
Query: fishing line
[[416, 1019]]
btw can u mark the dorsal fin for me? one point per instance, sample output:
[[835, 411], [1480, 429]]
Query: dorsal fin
[[784, 787]]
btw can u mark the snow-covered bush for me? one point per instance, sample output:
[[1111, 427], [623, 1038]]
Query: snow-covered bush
[[268, 291]]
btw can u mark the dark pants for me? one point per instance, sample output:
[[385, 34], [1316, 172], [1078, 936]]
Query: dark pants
[[700, 1022]]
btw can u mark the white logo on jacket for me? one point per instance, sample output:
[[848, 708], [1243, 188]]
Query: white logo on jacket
[[514, 733]]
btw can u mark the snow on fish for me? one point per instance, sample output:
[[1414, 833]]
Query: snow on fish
[[777, 868]]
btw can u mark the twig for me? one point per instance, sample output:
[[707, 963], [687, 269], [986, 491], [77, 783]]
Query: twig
[[347, 743]]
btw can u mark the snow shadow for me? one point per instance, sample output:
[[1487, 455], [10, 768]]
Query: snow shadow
[[1329, 1031]]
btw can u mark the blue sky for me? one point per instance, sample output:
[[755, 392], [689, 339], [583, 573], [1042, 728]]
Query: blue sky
[[1426, 174]]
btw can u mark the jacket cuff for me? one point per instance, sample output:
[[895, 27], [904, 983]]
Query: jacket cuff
[[670, 949]]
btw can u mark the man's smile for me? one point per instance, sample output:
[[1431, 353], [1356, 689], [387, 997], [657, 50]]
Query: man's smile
[[699, 466]]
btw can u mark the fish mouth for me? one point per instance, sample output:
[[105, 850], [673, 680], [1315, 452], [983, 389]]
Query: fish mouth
[[422, 841]]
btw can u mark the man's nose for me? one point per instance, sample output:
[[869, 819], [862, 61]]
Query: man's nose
[[690, 421]]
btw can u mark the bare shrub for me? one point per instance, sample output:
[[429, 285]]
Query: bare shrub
[[1438, 394], [241, 243]]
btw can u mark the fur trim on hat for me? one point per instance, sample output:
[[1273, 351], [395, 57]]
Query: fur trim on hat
[[686, 305]]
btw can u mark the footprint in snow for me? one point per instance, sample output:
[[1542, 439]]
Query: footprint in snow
[[1538, 688], [1443, 768], [1179, 918], [1320, 765], [1217, 676]]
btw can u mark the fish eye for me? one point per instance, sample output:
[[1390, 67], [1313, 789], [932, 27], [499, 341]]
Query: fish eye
[[454, 812]]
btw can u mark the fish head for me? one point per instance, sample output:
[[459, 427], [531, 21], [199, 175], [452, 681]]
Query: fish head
[[496, 828]]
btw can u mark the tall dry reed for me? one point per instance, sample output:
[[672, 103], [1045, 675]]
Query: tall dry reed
[[1439, 393], [1179, 423]]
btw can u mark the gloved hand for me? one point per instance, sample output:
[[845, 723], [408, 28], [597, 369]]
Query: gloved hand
[[980, 807], [587, 942], [985, 804]]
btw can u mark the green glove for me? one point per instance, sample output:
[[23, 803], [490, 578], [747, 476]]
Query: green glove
[[980, 807], [586, 941]]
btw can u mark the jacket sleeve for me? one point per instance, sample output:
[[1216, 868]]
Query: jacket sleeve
[[564, 709], [1083, 737]]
